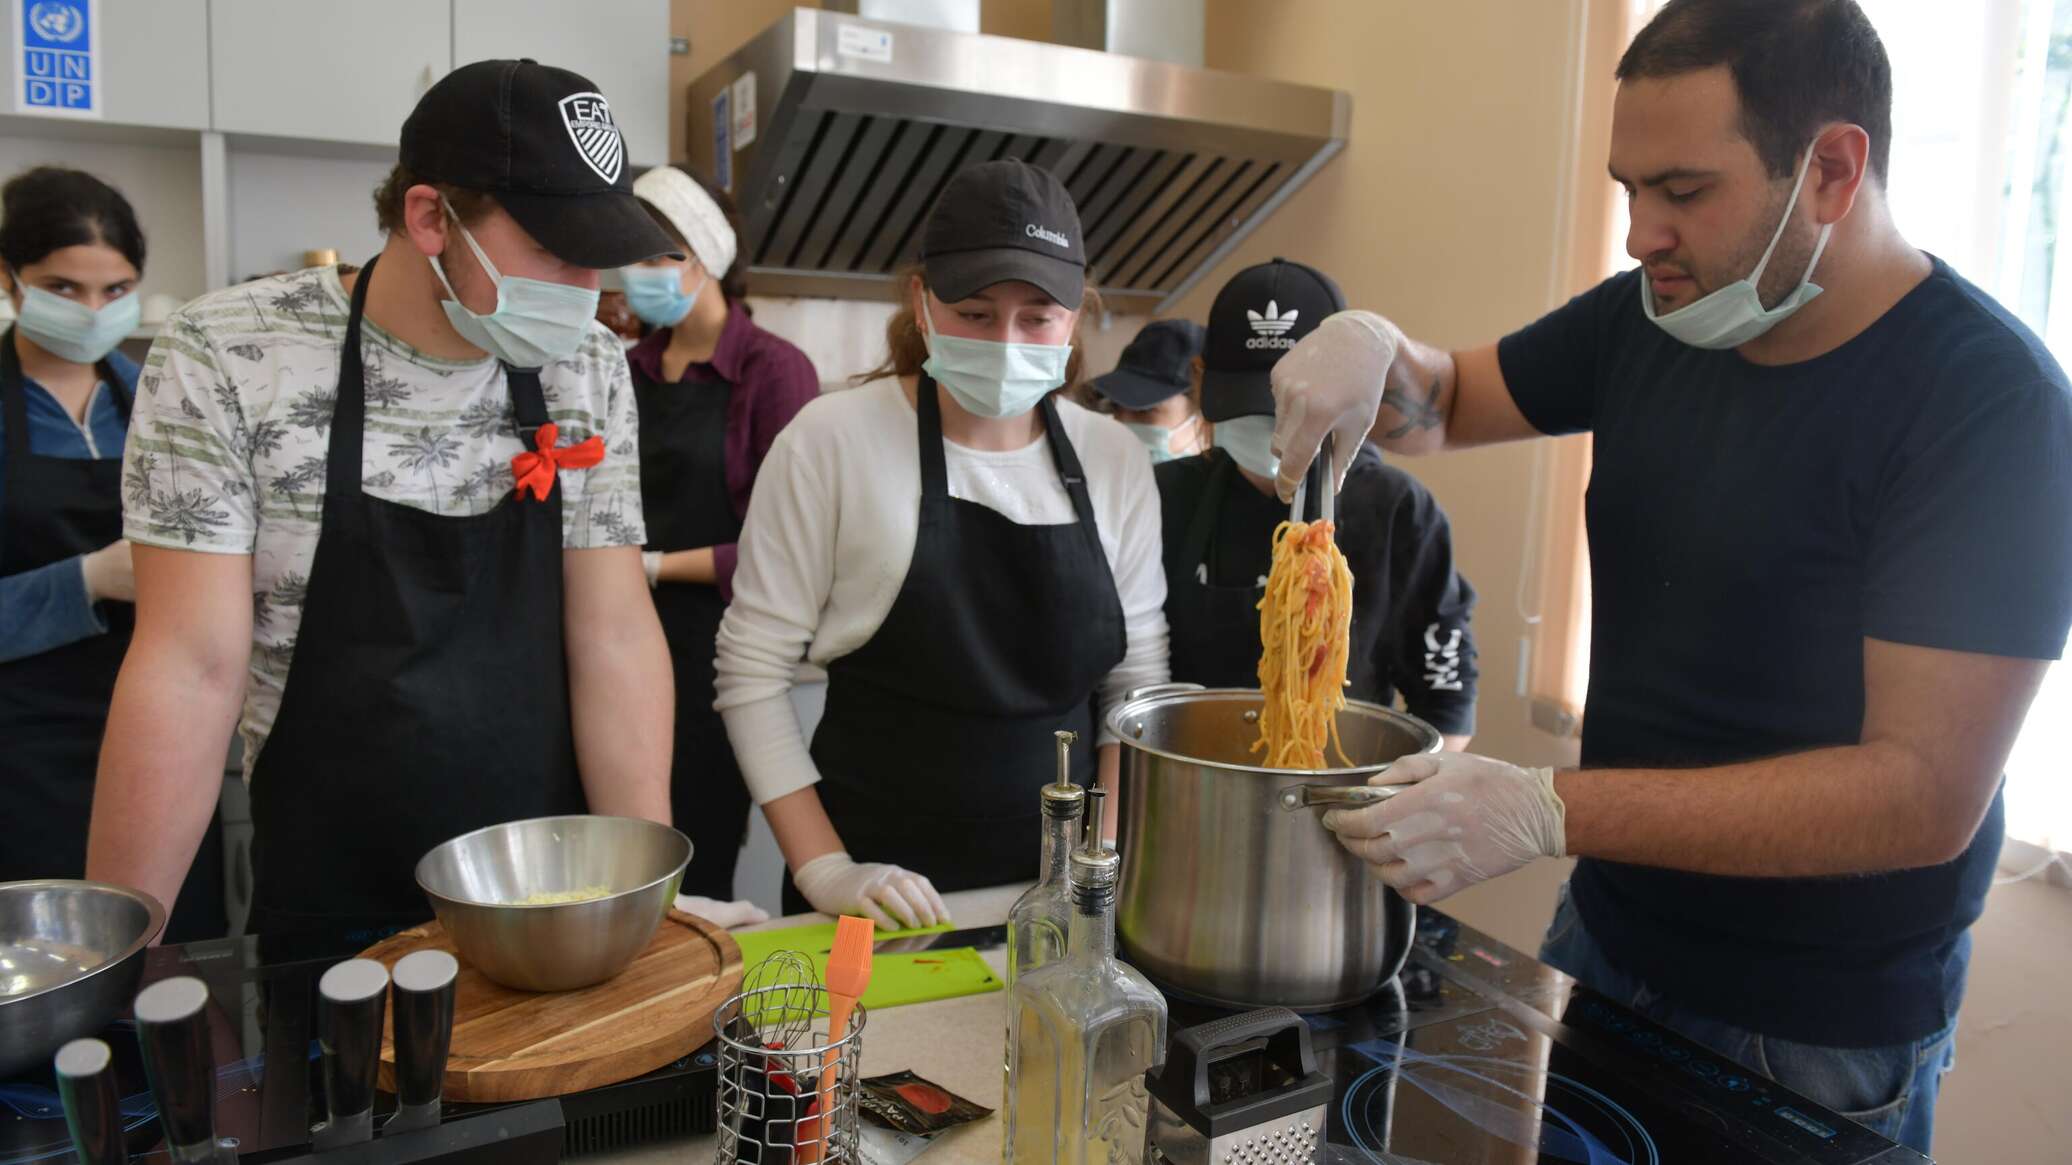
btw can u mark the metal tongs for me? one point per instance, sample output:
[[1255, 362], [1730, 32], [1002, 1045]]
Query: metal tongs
[[1323, 481]]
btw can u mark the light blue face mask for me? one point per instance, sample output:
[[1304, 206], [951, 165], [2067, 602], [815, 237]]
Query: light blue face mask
[[657, 296], [1734, 314], [70, 330], [992, 379], [1159, 438], [535, 322], [1249, 441]]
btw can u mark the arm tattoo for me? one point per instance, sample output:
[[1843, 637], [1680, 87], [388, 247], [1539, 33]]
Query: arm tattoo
[[1417, 413]]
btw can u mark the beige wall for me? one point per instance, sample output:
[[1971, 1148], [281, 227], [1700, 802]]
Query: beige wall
[[1440, 214]]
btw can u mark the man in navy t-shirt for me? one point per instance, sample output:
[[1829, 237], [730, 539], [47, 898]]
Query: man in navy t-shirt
[[1830, 522]]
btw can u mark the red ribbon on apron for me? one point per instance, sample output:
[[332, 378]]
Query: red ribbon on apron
[[534, 472]]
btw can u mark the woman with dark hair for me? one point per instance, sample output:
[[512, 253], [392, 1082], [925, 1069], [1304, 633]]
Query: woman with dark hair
[[973, 562], [73, 254], [713, 391]]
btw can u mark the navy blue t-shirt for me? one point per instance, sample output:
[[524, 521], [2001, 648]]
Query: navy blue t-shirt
[[1749, 528]]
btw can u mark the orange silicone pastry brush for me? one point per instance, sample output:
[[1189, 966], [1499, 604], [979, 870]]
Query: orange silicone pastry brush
[[848, 977]]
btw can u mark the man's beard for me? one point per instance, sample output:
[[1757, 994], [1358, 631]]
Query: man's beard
[[1787, 263]]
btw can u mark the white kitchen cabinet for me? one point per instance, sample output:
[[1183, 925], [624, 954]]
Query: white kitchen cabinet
[[622, 45], [325, 70], [154, 65]]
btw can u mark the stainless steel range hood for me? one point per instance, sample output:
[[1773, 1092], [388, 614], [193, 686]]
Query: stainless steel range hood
[[855, 124]]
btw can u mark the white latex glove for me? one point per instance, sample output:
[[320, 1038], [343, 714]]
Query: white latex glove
[[110, 575], [1330, 382], [1464, 819], [725, 915], [651, 562], [886, 894]]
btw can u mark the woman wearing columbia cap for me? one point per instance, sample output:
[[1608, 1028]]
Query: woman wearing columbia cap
[[973, 560], [714, 390]]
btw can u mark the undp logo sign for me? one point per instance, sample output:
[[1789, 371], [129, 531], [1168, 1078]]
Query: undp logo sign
[[59, 63]]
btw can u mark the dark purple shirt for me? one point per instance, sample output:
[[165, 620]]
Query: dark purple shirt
[[772, 381]]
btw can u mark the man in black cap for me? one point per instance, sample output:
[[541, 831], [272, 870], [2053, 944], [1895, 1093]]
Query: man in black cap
[[389, 522], [1151, 389], [1411, 607]]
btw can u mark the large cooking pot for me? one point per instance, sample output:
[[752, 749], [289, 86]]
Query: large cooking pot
[[1233, 892]]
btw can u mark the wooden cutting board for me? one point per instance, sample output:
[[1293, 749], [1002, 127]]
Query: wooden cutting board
[[523, 1045]]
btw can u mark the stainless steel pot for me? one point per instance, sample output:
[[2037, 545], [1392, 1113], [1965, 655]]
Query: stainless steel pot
[[1233, 892]]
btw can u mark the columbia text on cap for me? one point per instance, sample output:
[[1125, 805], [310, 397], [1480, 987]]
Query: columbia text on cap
[[1004, 221]]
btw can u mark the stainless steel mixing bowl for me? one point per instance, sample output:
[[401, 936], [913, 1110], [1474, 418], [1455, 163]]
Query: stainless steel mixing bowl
[[479, 884], [70, 955]]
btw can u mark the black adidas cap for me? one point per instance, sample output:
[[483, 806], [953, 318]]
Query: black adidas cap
[[543, 142], [1257, 317], [1158, 364], [1001, 221]]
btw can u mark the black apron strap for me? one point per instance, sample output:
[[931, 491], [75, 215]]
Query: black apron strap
[[1208, 509], [14, 399], [528, 404], [935, 474], [349, 413], [106, 371]]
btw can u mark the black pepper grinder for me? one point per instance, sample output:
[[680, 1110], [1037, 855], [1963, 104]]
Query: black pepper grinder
[[351, 1000], [93, 1114], [424, 1034], [173, 1032]]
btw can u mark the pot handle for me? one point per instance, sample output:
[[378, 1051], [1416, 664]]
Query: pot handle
[[1165, 689], [1305, 796]]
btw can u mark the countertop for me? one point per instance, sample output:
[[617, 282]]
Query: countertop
[[957, 1043]]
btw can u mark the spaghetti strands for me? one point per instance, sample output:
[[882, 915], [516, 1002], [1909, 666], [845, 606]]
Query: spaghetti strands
[[1304, 621]]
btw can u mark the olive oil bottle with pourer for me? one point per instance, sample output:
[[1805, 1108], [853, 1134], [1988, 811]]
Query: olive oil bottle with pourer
[[1040, 918], [1082, 1032]]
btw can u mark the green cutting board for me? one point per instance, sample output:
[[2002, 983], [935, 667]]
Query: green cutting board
[[897, 979]]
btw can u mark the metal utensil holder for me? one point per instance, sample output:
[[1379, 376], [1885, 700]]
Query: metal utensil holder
[[764, 1092]]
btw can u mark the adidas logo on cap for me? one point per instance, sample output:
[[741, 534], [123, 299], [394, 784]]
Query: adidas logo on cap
[[1269, 330]]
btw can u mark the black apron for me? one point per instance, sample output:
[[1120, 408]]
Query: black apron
[[1215, 628], [428, 692], [937, 737], [683, 490], [54, 706]]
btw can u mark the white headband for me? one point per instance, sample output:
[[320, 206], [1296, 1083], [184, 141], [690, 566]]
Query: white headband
[[692, 212]]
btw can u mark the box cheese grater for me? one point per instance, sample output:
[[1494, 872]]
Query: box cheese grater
[[1240, 1091]]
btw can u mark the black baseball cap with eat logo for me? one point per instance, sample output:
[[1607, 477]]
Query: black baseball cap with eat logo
[[1257, 317], [544, 143], [1000, 221]]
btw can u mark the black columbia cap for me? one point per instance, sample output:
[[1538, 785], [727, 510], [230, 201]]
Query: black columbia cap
[[1004, 220], [543, 141], [1257, 317], [1158, 364]]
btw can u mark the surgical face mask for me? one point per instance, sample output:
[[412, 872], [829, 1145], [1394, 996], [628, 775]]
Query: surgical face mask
[[992, 379], [1734, 314], [70, 330], [657, 296], [1249, 441], [535, 322], [1159, 438]]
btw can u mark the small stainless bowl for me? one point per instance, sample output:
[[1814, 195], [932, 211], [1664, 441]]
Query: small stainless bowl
[[70, 956], [480, 883]]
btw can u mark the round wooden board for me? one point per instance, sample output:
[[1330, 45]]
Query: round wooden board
[[522, 1045]]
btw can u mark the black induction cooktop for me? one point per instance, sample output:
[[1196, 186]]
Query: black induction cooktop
[[269, 1092], [1477, 1053]]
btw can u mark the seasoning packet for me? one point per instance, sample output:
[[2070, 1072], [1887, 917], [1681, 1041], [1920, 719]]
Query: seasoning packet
[[908, 1104]]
